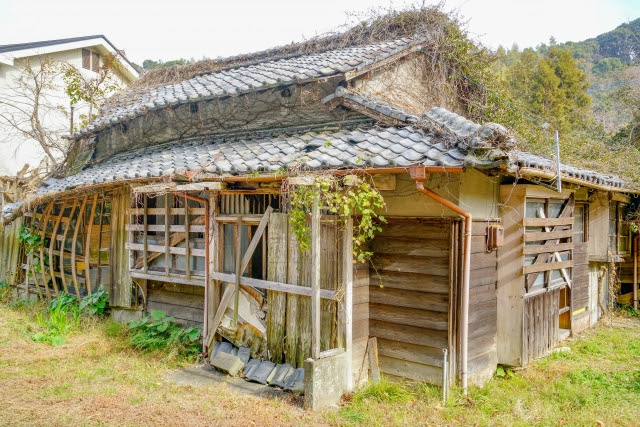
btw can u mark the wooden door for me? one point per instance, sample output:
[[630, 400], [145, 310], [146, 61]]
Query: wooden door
[[409, 297]]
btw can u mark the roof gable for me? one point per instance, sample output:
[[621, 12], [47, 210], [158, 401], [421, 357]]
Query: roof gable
[[240, 80]]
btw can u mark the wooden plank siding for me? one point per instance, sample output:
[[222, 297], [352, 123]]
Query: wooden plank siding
[[580, 288], [184, 302], [409, 297], [482, 357], [540, 321]]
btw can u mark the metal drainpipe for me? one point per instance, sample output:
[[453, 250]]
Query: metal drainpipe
[[635, 271], [464, 315], [206, 265]]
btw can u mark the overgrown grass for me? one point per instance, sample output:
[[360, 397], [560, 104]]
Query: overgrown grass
[[96, 378], [158, 331], [597, 381]]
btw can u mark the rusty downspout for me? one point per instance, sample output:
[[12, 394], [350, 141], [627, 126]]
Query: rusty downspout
[[466, 267], [206, 265], [635, 271]]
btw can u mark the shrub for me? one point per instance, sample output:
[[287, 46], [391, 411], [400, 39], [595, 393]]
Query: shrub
[[159, 331]]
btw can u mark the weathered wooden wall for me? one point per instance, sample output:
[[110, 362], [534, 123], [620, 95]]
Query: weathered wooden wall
[[409, 297], [184, 302], [120, 292], [483, 357], [360, 326], [540, 321], [580, 288], [10, 253]]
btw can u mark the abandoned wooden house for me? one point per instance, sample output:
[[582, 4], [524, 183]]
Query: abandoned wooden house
[[178, 198]]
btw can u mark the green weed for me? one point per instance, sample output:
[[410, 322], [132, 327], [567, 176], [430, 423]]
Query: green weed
[[96, 303], [384, 391], [159, 331], [62, 317]]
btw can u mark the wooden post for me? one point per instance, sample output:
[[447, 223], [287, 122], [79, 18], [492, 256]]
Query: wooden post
[[87, 248], [347, 306], [44, 220], [52, 245], [166, 234], [215, 293], [238, 253], [373, 359], [277, 272], [187, 264], [145, 222], [98, 272], [315, 280], [62, 243], [76, 230]]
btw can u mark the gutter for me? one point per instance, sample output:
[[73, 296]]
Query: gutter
[[545, 174], [419, 175]]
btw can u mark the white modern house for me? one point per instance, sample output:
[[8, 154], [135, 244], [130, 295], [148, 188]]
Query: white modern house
[[19, 87]]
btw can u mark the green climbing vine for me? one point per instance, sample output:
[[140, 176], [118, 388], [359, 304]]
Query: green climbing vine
[[349, 196], [32, 242]]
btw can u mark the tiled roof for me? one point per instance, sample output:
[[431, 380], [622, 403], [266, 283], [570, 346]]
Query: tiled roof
[[244, 79], [356, 148]]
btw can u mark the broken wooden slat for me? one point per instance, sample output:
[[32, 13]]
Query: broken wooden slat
[[87, 247], [43, 233], [277, 271], [64, 239], [536, 268], [98, 272], [76, 230], [224, 302], [54, 232]]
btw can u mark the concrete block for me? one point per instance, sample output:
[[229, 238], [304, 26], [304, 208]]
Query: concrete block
[[124, 315], [227, 363], [295, 382], [282, 372], [324, 381], [263, 373]]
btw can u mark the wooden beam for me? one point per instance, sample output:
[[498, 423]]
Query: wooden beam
[[274, 286], [547, 266], [549, 235], [315, 280], [539, 249], [43, 233], [145, 240], [347, 306], [52, 242], [161, 277], [76, 230], [257, 236], [547, 222], [238, 262], [166, 234], [187, 264], [64, 239], [87, 247], [224, 302], [98, 272]]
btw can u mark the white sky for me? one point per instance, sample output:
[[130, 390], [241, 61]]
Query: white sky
[[163, 29]]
